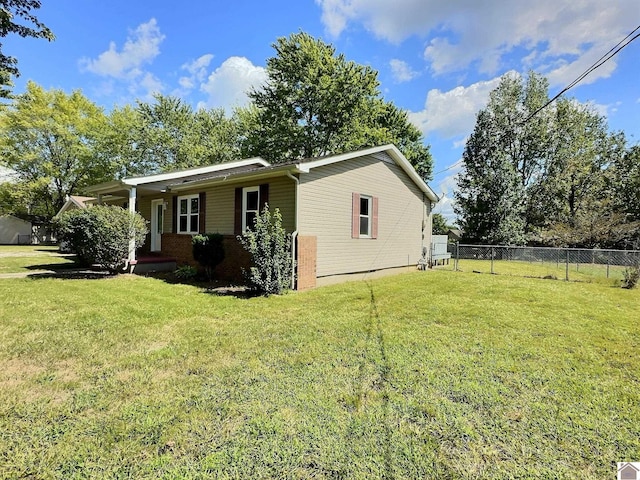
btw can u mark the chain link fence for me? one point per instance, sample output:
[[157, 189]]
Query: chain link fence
[[543, 262]]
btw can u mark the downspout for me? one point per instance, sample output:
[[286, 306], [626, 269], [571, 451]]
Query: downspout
[[294, 235]]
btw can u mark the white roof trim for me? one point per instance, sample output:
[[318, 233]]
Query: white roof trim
[[163, 177], [393, 152]]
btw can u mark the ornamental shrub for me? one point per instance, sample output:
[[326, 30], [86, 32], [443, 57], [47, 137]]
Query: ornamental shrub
[[100, 234], [630, 277], [270, 249], [208, 251]]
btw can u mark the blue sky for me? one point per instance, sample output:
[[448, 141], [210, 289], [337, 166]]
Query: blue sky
[[439, 60]]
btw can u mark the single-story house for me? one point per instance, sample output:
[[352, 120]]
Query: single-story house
[[74, 202], [454, 235], [348, 214], [14, 230]]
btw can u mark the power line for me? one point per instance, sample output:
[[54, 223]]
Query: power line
[[453, 165], [598, 63]]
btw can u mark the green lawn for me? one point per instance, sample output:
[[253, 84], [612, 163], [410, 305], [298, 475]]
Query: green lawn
[[583, 272], [26, 258], [431, 374]]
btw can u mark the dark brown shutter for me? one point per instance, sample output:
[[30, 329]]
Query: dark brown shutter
[[374, 218], [237, 219], [355, 216], [174, 213], [202, 212], [264, 195]]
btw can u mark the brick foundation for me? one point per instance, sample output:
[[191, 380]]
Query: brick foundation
[[235, 257], [307, 247]]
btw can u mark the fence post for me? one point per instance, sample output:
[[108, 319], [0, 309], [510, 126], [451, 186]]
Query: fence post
[[491, 260], [455, 264], [566, 275]]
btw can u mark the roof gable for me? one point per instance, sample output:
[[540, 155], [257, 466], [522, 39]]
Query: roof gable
[[391, 150]]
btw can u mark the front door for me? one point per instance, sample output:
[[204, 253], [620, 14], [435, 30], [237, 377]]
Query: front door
[[157, 220]]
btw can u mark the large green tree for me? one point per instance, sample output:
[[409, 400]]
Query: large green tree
[[49, 139], [17, 17], [571, 193], [169, 135], [489, 201], [544, 177], [315, 102]]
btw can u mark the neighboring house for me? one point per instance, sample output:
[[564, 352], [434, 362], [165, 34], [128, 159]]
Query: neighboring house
[[75, 202], [14, 231], [454, 234], [352, 213]]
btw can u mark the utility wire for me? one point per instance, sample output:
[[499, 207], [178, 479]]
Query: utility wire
[[598, 63], [453, 165]]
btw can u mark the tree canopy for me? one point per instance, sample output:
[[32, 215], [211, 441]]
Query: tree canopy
[[10, 12], [552, 178], [315, 102], [49, 139]]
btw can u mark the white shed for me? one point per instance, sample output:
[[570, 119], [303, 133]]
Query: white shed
[[14, 230]]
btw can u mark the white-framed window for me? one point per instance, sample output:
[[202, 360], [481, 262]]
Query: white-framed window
[[250, 206], [188, 213], [366, 216], [364, 222]]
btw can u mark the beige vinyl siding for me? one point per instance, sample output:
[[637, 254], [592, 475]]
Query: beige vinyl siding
[[144, 208], [326, 212], [220, 208]]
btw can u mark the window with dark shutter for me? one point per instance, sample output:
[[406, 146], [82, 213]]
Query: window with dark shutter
[[188, 214], [364, 220]]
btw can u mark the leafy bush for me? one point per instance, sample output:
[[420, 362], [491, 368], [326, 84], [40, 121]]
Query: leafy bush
[[208, 251], [185, 272], [270, 249], [100, 234], [630, 277]]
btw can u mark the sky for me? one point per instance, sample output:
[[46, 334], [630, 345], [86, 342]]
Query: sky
[[437, 59]]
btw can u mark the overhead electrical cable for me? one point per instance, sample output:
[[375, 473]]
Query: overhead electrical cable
[[598, 63]]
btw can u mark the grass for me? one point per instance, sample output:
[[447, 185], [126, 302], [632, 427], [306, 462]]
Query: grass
[[21, 258], [425, 375], [583, 272]]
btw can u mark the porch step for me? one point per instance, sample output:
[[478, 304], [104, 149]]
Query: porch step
[[152, 263]]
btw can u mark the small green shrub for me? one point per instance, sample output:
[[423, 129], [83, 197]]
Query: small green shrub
[[185, 272], [270, 249], [208, 251], [100, 234], [630, 277]]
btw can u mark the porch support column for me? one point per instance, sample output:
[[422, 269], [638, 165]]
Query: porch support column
[[132, 209]]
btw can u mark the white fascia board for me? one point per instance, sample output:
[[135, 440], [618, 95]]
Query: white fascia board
[[163, 177], [393, 152]]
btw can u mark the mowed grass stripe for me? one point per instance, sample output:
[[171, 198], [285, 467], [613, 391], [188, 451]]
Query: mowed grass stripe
[[434, 374]]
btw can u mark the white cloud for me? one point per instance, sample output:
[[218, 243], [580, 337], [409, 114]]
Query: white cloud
[[228, 85], [446, 188], [142, 47], [467, 32], [127, 65], [197, 70], [402, 71], [452, 114]]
